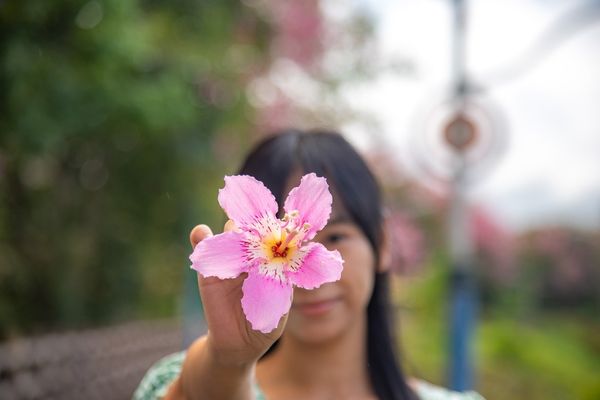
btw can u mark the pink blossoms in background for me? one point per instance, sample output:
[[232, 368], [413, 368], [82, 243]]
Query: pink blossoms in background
[[276, 254]]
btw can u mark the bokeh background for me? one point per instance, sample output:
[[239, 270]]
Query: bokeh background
[[119, 118]]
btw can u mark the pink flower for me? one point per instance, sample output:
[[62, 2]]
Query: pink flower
[[276, 254]]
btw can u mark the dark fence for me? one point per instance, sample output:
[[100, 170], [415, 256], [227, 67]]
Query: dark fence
[[105, 363]]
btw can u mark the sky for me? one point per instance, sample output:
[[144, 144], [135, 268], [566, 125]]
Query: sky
[[549, 170]]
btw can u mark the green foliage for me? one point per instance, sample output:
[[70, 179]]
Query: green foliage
[[109, 152], [523, 355], [547, 358], [423, 325]]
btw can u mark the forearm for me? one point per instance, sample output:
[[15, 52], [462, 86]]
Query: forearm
[[204, 377]]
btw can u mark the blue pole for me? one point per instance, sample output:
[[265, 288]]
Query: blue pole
[[463, 306]]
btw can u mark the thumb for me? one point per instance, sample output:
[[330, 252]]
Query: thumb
[[199, 233]]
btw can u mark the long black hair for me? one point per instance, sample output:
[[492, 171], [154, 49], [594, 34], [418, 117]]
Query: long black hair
[[328, 154]]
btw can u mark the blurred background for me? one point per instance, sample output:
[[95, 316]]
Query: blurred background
[[119, 119]]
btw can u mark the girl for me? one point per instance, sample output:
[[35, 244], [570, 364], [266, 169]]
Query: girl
[[337, 341]]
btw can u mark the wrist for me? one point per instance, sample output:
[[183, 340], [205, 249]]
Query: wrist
[[208, 375], [239, 361]]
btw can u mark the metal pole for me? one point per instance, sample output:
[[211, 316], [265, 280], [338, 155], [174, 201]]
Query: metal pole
[[461, 286], [458, 50]]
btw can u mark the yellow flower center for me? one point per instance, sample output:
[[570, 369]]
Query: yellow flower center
[[282, 243], [280, 249]]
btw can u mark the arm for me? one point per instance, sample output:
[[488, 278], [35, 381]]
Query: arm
[[203, 377], [221, 364]]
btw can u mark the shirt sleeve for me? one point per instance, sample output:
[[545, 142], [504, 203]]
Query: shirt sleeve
[[159, 377], [428, 391]]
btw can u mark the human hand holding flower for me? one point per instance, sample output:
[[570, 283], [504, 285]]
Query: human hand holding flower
[[231, 339], [246, 278], [264, 256]]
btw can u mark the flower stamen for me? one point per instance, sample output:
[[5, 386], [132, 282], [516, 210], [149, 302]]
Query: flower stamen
[[290, 235], [279, 250]]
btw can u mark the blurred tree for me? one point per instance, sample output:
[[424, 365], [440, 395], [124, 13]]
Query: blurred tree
[[114, 115], [318, 48], [561, 269]]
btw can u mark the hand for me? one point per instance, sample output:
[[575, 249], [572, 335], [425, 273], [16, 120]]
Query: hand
[[231, 340]]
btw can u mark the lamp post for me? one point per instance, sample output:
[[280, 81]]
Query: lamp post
[[458, 138], [460, 134]]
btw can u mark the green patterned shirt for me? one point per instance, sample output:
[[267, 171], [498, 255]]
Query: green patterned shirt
[[155, 383]]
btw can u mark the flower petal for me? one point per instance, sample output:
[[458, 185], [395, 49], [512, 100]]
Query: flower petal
[[265, 301], [313, 201], [221, 255], [318, 266], [246, 199]]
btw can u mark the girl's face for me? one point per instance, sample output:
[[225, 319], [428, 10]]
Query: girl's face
[[323, 314]]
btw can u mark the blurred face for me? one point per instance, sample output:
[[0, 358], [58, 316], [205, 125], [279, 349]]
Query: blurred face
[[325, 313]]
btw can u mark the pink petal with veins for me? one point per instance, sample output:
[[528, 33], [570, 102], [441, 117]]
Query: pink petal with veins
[[313, 201], [222, 256], [265, 301], [246, 199], [318, 266]]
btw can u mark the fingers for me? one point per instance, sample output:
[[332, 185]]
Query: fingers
[[199, 233], [229, 226]]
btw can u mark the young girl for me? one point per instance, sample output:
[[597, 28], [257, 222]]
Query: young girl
[[337, 341]]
